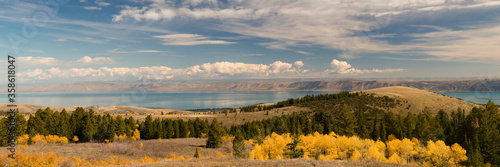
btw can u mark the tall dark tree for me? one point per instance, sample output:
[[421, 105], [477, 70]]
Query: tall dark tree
[[346, 122], [239, 145], [214, 135], [292, 150], [361, 128]]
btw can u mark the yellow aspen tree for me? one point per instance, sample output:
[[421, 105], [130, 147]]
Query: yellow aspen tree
[[437, 153], [307, 145], [458, 154], [75, 138]]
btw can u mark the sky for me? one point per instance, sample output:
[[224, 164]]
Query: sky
[[67, 41]]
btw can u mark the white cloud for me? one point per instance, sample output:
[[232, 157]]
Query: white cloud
[[96, 60], [102, 3], [61, 40], [298, 64], [92, 8], [136, 51], [50, 61], [83, 1], [291, 24], [478, 44], [35, 51], [342, 67], [189, 39], [217, 70], [42, 61]]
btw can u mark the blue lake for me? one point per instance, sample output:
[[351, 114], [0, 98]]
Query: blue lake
[[197, 100], [183, 100], [475, 97]]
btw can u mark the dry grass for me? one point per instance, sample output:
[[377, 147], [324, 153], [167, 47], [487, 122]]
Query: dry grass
[[180, 147], [415, 100], [231, 118], [232, 162]]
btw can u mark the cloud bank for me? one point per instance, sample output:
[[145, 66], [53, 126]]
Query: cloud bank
[[217, 70]]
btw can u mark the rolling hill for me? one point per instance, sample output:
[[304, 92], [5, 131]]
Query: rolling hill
[[415, 100]]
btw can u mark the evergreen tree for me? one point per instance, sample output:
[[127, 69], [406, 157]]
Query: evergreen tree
[[239, 145], [170, 128], [88, 129], [196, 154], [63, 128], [361, 129], [177, 132], [4, 131], [214, 135], [346, 122], [147, 128], [292, 150], [120, 127], [489, 141]]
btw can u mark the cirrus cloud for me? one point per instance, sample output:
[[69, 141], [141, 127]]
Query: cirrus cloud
[[189, 39]]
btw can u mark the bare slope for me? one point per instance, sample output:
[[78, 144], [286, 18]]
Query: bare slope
[[415, 100], [30, 108]]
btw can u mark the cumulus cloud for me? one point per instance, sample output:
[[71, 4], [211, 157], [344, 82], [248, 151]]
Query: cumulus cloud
[[92, 8], [342, 67], [207, 70], [189, 39]]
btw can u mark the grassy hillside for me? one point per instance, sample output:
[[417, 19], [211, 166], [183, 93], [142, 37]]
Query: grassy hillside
[[415, 100]]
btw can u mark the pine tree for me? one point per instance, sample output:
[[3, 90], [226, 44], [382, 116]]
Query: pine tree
[[293, 152], [214, 135], [346, 122], [88, 129], [196, 154], [361, 129], [4, 131], [170, 129], [239, 145]]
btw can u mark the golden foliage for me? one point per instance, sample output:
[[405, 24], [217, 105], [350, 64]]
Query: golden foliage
[[75, 138], [23, 147], [273, 147], [333, 147], [147, 159], [39, 139], [136, 135], [22, 139]]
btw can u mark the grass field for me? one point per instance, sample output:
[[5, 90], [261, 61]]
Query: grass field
[[172, 149]]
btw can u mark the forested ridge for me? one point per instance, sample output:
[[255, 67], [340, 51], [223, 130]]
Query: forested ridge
[[345, 114]]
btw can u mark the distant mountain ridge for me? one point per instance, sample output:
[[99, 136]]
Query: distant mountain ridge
[[339, 85]]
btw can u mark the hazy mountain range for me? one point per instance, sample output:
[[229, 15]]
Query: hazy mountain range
[[492, 85]]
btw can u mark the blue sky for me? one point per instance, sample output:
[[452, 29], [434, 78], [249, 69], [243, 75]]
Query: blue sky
[[64, 41]]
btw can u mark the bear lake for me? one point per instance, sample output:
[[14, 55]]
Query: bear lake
[[197, 100]]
